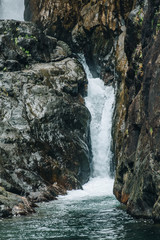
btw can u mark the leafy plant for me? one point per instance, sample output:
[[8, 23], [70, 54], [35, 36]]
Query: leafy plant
[[25, 51], [151, 131], [16, 40]]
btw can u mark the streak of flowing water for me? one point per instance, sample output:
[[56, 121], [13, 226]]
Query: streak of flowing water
[[100, 102], [12, 9]]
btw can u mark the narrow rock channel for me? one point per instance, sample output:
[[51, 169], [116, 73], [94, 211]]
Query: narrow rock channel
[[63, 128]]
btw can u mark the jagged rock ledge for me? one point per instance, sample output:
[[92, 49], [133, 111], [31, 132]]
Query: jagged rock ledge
[[44, 124]]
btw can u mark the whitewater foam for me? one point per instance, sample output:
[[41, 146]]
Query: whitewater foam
[[96, 187]]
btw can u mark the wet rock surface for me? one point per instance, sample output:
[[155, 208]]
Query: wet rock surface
[[14, 205], [44, 124], [22, 44], [137, 173], [121, 39]]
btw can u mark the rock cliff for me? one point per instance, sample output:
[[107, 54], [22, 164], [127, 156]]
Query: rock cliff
[[121, 39], [137, 174], [44, 124]]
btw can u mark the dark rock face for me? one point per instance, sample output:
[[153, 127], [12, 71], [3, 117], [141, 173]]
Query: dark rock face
[[44, 124], [121, 39], [137, 174], [22, 44]]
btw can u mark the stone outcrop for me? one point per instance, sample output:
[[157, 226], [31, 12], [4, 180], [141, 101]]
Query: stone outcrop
[[14, 205], [44, 124], [137, 173], [121, 39]]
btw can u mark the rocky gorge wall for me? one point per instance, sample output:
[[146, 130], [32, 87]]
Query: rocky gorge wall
[[79, 23], [137, 173], [121, 39], [44, 124]]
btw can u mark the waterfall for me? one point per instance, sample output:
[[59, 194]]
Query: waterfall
[[12, 9], [100, 102]]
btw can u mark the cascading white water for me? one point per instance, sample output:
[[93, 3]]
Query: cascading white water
[[100, 102], [12, 9]]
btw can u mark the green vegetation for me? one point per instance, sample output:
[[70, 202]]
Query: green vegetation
[[30, 37], [25, 51], [151, 131], [140, 16]]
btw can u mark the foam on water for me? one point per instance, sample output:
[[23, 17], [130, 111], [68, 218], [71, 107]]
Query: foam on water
[[100, 102], [96, 187], [12, 9]]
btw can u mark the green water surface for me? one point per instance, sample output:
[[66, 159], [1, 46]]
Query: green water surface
[[85, 219]]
